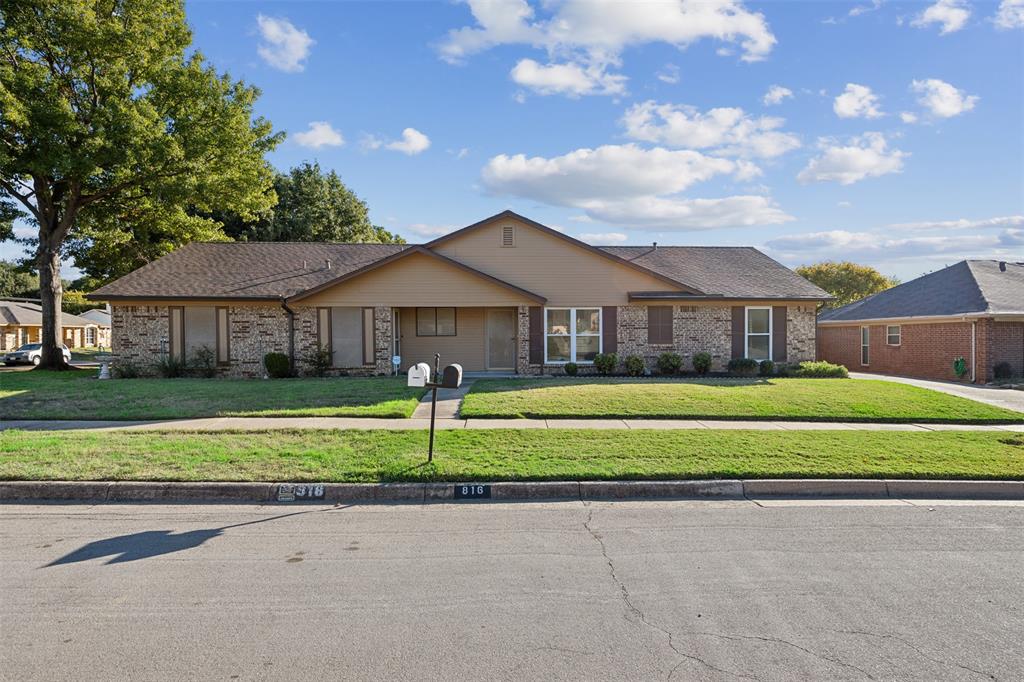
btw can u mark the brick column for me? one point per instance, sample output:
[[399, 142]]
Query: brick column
[[523, 343], [382, 341]]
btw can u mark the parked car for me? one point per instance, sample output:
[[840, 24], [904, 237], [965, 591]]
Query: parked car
[[32, 354]]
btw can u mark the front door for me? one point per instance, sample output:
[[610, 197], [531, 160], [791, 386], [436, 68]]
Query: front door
[[501, 338]]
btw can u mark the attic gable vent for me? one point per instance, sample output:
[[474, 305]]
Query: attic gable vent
[[508, 236]]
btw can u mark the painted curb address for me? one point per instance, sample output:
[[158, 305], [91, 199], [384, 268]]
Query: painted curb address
[[137, 491]]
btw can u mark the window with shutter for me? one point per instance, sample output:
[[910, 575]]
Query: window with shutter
[[659, 324]]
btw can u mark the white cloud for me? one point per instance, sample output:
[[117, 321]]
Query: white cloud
[[412, 142], [952, 14], [866, 156], [1010, 14], [881, 247], [462, 153], [963, 224], [857, 101], [728, 130], [581, 219], [283, 46], [908, 117], [864, 9], [670, 74], [626, 184], [593, 35], [941, 98], [320, 134], [431, 231], [844, 204], [776, 94], [603, 237], [567, 79]]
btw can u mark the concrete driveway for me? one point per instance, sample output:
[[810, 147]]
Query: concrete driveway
[[1000, 397], [683, 590]]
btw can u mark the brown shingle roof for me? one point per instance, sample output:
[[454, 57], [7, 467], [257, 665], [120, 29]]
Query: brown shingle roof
[[30, 315], [722, 271], [255, 270]]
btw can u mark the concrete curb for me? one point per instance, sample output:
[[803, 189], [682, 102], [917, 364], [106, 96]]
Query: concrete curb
[[141, 491]]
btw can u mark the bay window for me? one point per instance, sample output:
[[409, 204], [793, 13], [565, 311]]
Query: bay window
[[759, 333], [572, 335]]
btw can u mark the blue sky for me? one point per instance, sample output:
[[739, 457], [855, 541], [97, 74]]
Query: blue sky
[[886, 133]]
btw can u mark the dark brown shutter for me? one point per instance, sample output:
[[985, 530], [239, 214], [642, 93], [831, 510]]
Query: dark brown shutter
[[738, 332], [536, 335], [779, 333], [610, 329], [659, 324]]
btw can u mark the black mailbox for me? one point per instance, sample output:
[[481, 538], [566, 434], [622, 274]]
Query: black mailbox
[[452, 376]]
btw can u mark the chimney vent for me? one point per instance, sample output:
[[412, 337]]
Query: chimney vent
[[1002, 266], [305, 264], [328, 263], [655, 247]]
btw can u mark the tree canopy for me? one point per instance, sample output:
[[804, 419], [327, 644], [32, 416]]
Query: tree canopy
[[847, 282], [16, 282], [106, 114]]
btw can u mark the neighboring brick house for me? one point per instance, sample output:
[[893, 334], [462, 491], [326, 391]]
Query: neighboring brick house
[[21, 322], [973, 310], [506, 294]]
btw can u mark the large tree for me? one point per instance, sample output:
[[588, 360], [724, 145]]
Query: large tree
[[312, 206], [847, 282], [104, 110]]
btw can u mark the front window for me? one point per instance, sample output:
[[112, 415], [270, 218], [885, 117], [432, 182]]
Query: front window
[[865, 338], [572, 335], [759, 333], [893, 334], [435, 322]]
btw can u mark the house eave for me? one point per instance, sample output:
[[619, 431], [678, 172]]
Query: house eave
[[683, 296]]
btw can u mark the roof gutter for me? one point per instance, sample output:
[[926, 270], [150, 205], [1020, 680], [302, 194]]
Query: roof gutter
[[683, 296], [921, 319]]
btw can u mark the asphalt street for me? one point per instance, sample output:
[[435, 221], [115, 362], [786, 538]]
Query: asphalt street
[[625, 590]]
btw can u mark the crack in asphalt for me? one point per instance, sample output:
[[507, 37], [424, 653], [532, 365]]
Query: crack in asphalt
[[627, 600], [917, 649]]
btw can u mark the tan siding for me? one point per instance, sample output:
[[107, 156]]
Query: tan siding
[[565, 274], [416, 280], [465, 348]]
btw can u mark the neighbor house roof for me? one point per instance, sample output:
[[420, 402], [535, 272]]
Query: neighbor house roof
[[971, 287], [275, 270], [98, 316], [720, 271], [22, 314]]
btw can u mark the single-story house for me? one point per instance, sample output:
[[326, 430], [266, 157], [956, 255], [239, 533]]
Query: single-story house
[[505, 294], [100, 336], [972, 310], [21, 322]]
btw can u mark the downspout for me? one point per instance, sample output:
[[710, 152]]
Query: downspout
[[974, 333], [291, 334]]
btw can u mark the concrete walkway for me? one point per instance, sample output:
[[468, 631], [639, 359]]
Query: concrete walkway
[[278, 423], [449, 401], [1000, 397]]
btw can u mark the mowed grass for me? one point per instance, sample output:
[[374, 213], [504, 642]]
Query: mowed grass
[[796, 399], [77, 394], [506, 455]]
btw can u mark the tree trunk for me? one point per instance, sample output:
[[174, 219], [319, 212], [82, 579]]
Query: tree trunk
[[51, 295]]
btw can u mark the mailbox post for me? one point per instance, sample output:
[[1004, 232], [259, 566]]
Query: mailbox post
[[420, 376]]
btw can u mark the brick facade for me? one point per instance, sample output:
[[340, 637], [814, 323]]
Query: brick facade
[[927, 350], [140, 337]]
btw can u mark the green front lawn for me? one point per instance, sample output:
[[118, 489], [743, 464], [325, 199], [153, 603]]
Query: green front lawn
[[495, 455], [77, 394], [795, 399]]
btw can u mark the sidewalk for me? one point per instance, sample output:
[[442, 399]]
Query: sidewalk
[[275, 423]]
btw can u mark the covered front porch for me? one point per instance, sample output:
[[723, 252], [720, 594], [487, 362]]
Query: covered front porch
[[480, 338]]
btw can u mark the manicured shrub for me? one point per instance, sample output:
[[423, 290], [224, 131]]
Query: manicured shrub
[[960, 367], [670, 363], [571, 368], [204, 362], [170, 367], [1002, 370], [605, 363], [702, 363], [317, 361], [277, 365], [743, 367], [821, 370], [766, 368], [634, 365], [783, 370]]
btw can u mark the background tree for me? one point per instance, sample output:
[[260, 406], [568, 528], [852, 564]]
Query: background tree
[[103, 112], [16, 282], [312, 206], [848, 282]]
